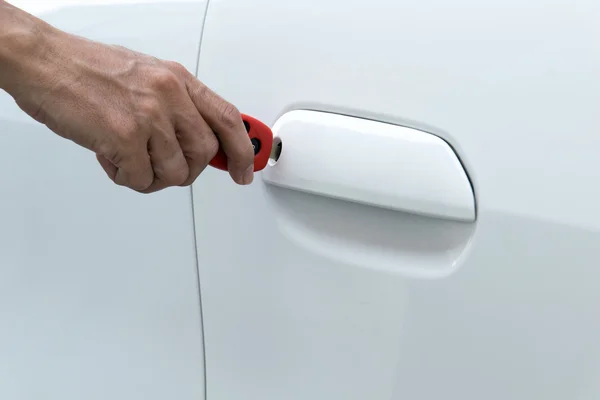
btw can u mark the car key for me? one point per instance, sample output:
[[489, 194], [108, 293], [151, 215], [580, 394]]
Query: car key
[[261, 137]]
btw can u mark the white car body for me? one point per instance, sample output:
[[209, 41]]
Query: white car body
[[223, 292]]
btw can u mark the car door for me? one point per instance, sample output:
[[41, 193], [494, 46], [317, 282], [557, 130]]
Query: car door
[[310, 291], [98, 285]]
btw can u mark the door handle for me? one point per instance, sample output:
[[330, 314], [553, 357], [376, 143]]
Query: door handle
[[372, 163]]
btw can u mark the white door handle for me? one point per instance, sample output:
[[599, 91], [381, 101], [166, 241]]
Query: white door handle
[[371, 163]]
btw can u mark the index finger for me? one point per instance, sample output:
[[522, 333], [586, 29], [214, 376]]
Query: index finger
[[226, 122]]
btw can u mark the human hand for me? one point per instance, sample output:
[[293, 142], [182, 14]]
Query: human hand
[[151, 123]]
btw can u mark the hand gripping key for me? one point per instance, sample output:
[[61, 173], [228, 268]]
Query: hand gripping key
[[261, 137]]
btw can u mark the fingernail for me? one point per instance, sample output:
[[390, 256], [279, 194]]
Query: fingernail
[[248, 176]]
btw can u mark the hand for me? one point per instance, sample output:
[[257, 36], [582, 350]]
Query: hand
[[151, 123]]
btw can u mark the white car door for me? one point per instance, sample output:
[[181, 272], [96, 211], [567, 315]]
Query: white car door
[[309, 296], [98, 284]]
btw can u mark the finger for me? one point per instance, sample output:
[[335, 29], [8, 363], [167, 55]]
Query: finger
[[107, 166], [226, 121], [133, 171], [169, 164], [197, 141]]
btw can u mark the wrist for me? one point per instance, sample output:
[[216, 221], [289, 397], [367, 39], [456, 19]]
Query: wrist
[[23, 44]]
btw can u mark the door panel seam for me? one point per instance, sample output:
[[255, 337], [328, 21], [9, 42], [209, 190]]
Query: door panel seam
[[194, 224]]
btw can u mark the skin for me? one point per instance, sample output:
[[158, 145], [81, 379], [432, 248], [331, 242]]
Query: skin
[[150, 122]]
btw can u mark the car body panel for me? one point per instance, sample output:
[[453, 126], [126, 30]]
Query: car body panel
[[294, 305], [98, 284]]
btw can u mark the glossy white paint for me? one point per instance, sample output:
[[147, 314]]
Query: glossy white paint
[[372, 163], [98, 285], [41, 7], [306, 297]]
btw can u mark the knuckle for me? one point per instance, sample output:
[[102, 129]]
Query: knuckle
[[133, 176], [177, 176], [177, 68], [230, 115], [211, 148], [148, 191], [138, 186], [204, 151], [165, 80], [144, 182], [108, 151], [128, 134], [198, 91], [150, 109], [189, 180]]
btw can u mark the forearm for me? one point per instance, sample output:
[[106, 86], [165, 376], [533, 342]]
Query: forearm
[[22, 45]]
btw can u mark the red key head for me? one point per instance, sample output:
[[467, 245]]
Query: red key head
[[262, 140]]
